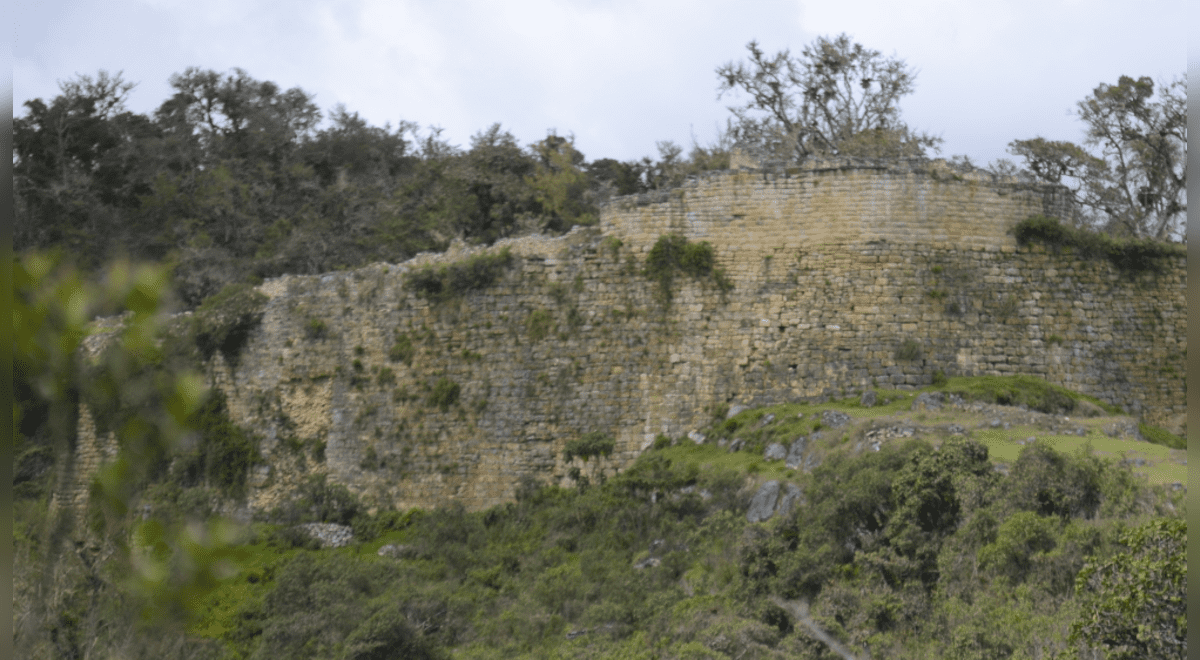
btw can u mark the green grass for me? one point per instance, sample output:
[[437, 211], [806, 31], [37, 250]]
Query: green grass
[[1030, 391]]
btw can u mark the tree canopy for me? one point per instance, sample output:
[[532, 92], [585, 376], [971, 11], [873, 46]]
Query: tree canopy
[[1130, 176], [837, 97]]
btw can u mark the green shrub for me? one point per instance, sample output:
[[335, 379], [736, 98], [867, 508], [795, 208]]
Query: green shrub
[[223, 322], [445, 394], [672, 254], [1162, 437], [539, 324], [460, 278], [316, 329], [909, 350], [1129, 256], [402, 350], [224, 453], [386, 377], [939, 378], [1029, 391], [589, 445]]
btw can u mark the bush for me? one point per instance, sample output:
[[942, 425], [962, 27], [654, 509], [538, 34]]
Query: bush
[[460, 278], [589, 445], [1162, 437], [908, 351], [539, 324], [402, 350], [672, 254], [1028, 391], [445, 394], [316, 329], [224, 454], [223, 322], [1129, 256], [321, 501]]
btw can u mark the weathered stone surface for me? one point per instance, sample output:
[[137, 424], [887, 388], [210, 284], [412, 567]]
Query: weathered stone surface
[[330, 535], [834, 419], [853, 250], [791, 496], [762, 505], [398, 551], [868, 399], [772, 498], [927, 401], [775, 452], [795, 456]]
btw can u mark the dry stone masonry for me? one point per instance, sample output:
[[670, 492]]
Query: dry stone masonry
[[847, 276]]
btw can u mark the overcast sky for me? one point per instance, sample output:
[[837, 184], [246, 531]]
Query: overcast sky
[[618, 75]]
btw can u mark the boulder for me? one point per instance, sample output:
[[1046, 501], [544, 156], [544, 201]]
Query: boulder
[[928, 401], [330, 535], [762, 506], [791, 495], [834, 419], [796, 453], [775, 452], [868, 399]]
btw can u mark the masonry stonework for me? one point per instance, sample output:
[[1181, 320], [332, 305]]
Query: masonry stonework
[[835, 266]]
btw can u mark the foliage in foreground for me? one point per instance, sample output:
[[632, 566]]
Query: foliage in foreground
[[911, 551]]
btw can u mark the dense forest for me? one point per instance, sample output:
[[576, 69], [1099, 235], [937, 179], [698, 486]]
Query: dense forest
[[233, 180], [924, 548]]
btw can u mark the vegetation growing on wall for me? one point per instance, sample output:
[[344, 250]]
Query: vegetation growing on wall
[[223, 453], [444, 394], [458, 279], [224, 321], [1127, 255], [673, 254], [589, 445]]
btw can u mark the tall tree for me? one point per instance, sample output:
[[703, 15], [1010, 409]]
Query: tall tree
[[836, 97], [1133, 179], [236, 116], [75, 158]]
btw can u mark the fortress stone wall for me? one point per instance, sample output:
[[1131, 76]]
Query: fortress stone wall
[[835, 266]]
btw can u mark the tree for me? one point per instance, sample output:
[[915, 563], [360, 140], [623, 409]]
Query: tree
[[77, 165], [1133, 180], [561, 184], [236, 116], [1135, 603], [836, 98]]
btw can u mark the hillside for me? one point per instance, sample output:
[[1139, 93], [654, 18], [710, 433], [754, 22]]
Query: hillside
[[671, 560]]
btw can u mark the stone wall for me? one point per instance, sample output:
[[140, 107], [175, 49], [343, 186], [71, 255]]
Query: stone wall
[[836, 267]]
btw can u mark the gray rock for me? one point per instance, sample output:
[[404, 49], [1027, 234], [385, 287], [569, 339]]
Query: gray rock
[[398, 551], [775, 452], [791, 495], [734, 410], [796, 454], [928, 401], [868, 399], [696, 437], [834, 419], [649, 562], [330, 535], [762, 506], [767, 419]]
